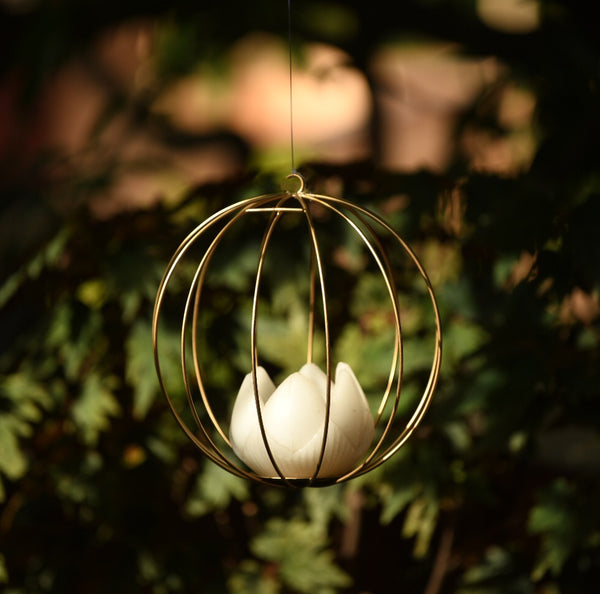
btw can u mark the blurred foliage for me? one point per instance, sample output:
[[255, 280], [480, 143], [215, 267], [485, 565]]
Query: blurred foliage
[[497, 492]]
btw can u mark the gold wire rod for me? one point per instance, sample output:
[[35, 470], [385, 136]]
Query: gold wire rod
[[434, 374], [196, 289], [315, 252], [198, 283], [436, 366], [294, 185], [385, 268], [385, 271], [315, 256], [421, 407], [186, 244], [311, 307], [275, 209], [397, 359], [253, 348], [155, 323]]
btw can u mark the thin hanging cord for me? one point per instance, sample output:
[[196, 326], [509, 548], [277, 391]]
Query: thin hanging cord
[[291, 86]]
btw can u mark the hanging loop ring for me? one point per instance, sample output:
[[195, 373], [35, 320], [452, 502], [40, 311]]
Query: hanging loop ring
[[293, 184]]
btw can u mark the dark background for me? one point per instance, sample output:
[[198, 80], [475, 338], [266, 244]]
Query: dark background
[[475, 131]]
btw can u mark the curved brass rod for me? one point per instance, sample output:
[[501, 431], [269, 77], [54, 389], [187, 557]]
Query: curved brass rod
[[397, 358], [196, 289], [427, 394], [219, 458], [436, 366], [384, 269], [253, 347], [316, 255], [198, 283], [311, 307], [175, 260]]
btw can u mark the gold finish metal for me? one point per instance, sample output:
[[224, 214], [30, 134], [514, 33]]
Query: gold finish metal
[[294, 199]]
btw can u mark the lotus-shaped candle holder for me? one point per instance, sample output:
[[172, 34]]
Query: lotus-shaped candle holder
[[294, 416], [316, 428]]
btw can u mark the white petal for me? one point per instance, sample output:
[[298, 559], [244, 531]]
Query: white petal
[[254, 454], [349, 408], [293, 414], [315, 374], [244, 418], [339, 455]]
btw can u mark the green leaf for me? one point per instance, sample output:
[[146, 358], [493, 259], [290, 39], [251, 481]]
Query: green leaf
[[215, 489], [13, 462], [394, 501], [461, 338], [94, 408], [76, 337], [282, 332], [420, 522], [299, 550], [369, 355], [93, 293], [140, 371], [47, 257], [496, 574], [249, 578], [28, 399], [563, 522], [28, 396], [322, 505], [3, 571]]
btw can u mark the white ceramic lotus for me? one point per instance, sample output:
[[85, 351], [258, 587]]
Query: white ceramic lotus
[[294, 417]]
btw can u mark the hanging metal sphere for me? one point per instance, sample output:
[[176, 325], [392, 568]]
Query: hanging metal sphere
[[311, 430]]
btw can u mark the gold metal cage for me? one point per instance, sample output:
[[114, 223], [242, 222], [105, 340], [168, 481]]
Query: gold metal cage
[[210, 434]]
